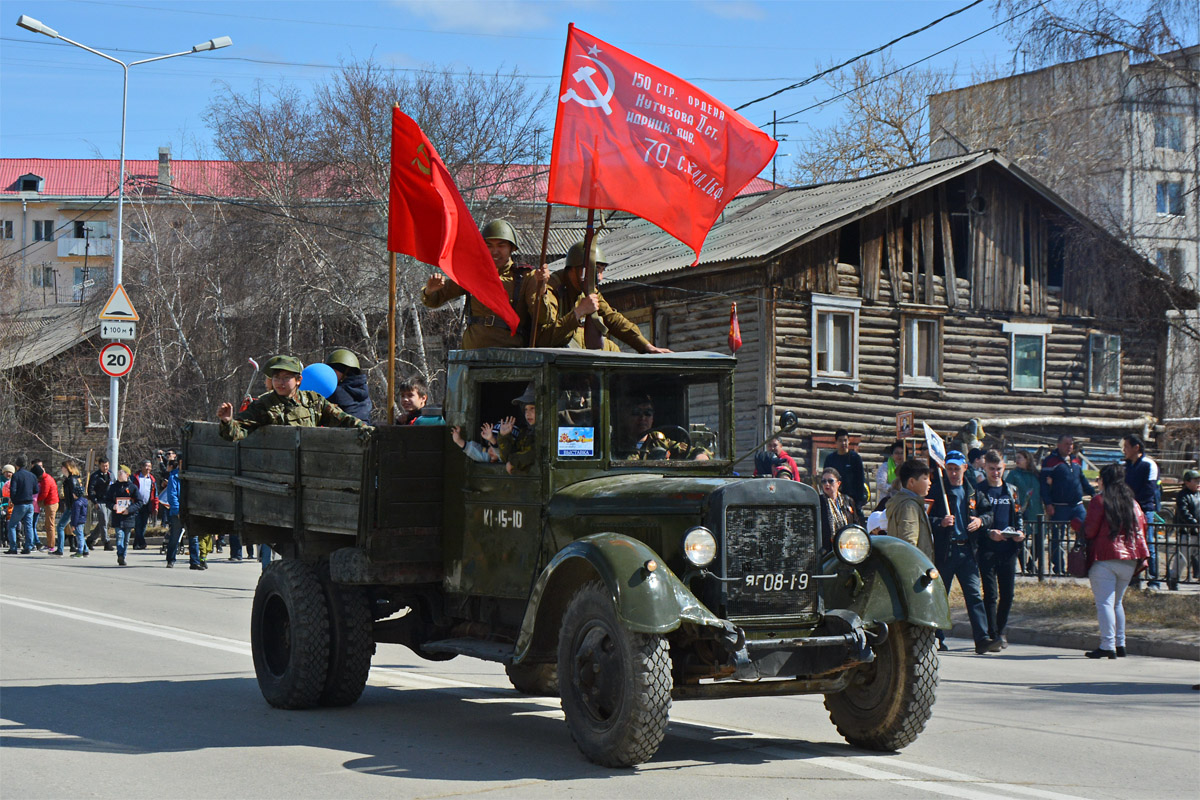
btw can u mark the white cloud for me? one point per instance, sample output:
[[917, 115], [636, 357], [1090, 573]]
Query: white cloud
[[735, 9], [479, 16]]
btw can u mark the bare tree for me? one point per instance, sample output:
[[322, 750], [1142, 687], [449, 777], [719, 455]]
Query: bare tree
[[884, 125]]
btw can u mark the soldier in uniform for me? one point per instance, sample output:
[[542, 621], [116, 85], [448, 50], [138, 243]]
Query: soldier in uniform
[[640, 442], [285, 405], [564, 305], [485, 328]]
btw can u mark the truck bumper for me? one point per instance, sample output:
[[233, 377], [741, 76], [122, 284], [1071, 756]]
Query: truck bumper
[[840, 641]]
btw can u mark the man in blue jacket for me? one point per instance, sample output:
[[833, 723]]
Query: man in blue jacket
[[1063, 488], [21, 490], [1141, 473], [956, 542], [999, 544], [351, 394]]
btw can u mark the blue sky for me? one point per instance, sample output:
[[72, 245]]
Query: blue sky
[[61, 102]]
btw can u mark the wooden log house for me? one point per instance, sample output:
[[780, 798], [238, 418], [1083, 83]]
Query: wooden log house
[[961, 288]]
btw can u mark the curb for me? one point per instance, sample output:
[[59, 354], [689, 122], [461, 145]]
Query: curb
[[1134, 645]]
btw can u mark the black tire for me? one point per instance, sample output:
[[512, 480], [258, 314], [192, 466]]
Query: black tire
[[289, 635], [539, 680], [615, 685], [351, 644], [888, 701]]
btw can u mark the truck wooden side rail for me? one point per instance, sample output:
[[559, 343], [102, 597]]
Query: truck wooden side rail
[[310, 492]]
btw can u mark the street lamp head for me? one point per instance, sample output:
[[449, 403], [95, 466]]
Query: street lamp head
[[31, 24], [211, 44]]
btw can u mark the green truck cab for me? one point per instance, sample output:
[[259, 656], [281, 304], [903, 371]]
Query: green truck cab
[[620, 563]]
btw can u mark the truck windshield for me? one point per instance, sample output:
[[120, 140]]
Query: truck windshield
[[666, 417]]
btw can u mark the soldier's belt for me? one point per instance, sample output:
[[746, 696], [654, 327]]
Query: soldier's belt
[[491, 321]]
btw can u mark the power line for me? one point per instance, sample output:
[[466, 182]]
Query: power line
[[860, 56], [910, 65]]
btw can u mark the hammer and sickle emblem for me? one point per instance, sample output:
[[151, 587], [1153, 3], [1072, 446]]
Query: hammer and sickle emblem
[[422, 163], [598, 99]]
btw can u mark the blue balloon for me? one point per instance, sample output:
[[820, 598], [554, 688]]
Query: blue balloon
[[319, 378]]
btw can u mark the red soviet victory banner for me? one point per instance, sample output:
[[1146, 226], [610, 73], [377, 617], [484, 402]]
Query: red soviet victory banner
[[428, 220], [633, 137]]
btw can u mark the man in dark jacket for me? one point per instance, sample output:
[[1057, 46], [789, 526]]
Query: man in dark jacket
[[97, 490], [22, 489], [351, 394], [849, 465], [1187, 512], [122, 501], [999, 544], [1063, 488], [956, 542], [1141, 473]]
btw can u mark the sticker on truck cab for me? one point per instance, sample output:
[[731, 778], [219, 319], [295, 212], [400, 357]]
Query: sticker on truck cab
[[576, 442]]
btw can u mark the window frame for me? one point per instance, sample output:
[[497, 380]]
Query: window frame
[[95, 400], [6, 229], [1173, 131], [1163, 197], [1039, 330], [43, 230], [909, 324], [833, 304], [1108, 338]]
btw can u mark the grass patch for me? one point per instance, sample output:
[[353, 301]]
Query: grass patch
[[1068, 602]]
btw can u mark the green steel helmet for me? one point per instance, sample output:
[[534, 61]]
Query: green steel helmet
[[343, 358], [286, 363], [575, 255], [500, 229]]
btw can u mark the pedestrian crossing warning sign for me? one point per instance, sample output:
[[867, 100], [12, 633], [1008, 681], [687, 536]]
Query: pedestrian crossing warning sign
[[118, 306]]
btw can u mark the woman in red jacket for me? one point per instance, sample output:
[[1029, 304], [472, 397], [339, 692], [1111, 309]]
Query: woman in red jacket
[[1116, 533]]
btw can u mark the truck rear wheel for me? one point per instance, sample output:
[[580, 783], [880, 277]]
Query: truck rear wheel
[[351, 644], [888, 701], [289, 635], [615, 685], [539, 680]]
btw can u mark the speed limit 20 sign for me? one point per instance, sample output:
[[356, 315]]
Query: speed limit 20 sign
[[116, 359]]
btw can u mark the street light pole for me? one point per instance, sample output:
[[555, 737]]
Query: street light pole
[[31, 24]]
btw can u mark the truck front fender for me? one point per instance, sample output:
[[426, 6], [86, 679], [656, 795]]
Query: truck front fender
[[645, 601], [891, 585]]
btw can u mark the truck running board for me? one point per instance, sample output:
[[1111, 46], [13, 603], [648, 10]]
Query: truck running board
[[475, 648]]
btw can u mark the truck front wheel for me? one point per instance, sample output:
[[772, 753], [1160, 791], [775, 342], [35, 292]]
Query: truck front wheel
[[615, 685], [889, 700], [289, 635]]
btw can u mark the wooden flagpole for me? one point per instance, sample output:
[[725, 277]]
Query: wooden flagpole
[[391, 370], [593, 336], [537, 312]]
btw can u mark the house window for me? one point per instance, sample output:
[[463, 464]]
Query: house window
[[1168, 131], [1027, 358], [97, 408], [921, 351], [1170, 198], [43, 230], [137, 232], [835, 340], [1170, 261], [6, 229], [1104, 363], [93, 229], [31, 183]]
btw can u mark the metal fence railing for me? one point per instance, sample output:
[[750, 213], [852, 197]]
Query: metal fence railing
[[1174, 551]]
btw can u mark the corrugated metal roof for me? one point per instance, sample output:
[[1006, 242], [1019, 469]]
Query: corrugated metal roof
[[528, 183], [96, 177], [758, 226], [34, 337]]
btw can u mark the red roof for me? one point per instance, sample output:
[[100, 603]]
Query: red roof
[[97, 177]]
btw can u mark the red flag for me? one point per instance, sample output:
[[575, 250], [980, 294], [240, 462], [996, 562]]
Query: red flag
[[428, 220], [735, 330], [630, 136]]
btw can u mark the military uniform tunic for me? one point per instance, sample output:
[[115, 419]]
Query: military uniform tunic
[[485, 328], [517, 450], [306, 410], [558, 326]]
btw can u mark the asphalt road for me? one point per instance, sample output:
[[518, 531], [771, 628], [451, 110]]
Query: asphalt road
[[137, 682]]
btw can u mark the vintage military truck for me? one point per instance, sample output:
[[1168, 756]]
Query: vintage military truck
[[616, 577]]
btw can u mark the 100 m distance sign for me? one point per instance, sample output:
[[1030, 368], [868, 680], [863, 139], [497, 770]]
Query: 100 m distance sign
[[116, 359]]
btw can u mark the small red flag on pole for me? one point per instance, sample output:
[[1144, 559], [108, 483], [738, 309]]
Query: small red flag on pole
[[735, 330], [428, 220], [633, 137]]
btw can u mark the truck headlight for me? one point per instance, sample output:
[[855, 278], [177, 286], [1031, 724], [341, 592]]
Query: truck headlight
[[852, 544], [700, 546]]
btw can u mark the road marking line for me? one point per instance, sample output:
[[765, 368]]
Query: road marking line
[[851, 764]]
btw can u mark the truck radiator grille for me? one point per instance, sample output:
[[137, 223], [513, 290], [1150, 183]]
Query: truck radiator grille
[[771, 550]]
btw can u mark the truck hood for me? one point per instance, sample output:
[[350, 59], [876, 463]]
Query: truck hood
[[631, 492]]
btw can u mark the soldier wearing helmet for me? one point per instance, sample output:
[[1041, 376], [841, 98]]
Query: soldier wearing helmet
[[565, 305], [351, 394], [485, 328], [286, 404]]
